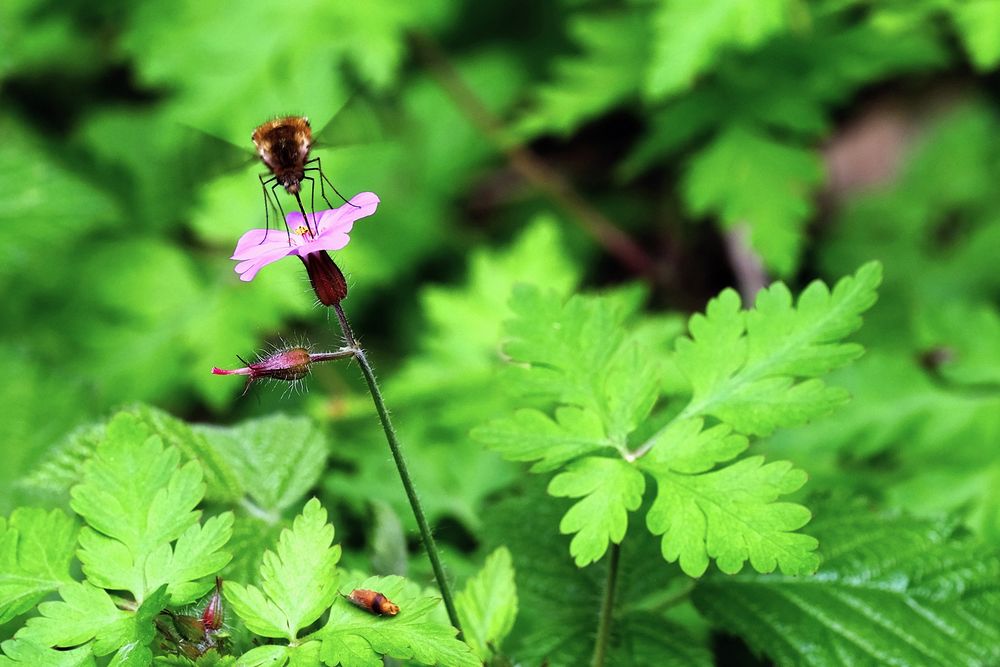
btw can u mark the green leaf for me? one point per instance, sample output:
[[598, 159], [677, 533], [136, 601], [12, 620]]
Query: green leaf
[[578, 352], [684, 447], [137, 501], [221, 480], [24, 652], [64, 464], [274, 75], [36, 548], [136, 652], [613, 51], [978, 23], [275, 460], [448, 387], [464, 322], [891, 590], [354, 637], [744, 369], [559, 603], [932, 430], [88, 613], [743, 366], [689, 37], [731, 515], [487, 606], [531, 435], [298, 579], [84, 613], [271, 655], [390, 554], [610, 488], [749, 179], [34, 223], [792, 84]]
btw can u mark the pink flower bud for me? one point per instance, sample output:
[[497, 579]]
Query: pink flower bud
[[214, 614], [288, 365], [327, 280]]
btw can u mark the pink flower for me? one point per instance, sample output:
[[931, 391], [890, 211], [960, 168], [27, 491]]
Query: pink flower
[[260, 247]]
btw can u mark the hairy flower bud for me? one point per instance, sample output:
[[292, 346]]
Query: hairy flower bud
[[214, 614], [327, 280], [289, 365]]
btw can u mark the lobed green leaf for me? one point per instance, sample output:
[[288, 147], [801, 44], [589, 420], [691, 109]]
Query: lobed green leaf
[[891, 590], [610, 488], [353, 637], [487, 606], [730, 515], [298, 579], [36, 549], [757, 184], [88, 614], [24, 652], [137, 502], [743, 366]]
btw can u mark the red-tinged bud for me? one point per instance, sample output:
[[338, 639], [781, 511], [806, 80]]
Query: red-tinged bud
[[327, 280], [214, 614], [289, 365]]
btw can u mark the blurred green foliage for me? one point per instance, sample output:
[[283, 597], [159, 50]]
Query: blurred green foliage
[[503, 131]]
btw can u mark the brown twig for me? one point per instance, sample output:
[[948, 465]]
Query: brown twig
[[529, 166], [748, 268]]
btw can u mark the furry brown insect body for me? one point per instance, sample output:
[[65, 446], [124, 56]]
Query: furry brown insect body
[[372, 602], [283, 146]]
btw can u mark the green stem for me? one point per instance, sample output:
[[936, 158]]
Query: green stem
[[607, 608], [404, 474]]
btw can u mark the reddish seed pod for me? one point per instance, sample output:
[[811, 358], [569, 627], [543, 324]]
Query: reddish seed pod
[[372, 602], [213, 614], [326, 278]]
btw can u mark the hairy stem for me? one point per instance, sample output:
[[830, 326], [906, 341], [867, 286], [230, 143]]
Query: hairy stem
[[401, 467], [607, 608]]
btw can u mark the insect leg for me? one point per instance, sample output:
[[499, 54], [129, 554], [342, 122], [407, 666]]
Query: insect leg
[[281, 208], [267, 204], [312, 198], [302, 208], [319, 168]]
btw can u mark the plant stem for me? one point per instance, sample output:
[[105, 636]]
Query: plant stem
[[404, 474], [607, 608], [747, 265]]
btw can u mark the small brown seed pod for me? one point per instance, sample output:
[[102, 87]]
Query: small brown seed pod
[[372, 602]]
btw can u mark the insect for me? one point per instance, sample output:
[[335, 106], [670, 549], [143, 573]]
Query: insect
[[283, 145], [372, 602]]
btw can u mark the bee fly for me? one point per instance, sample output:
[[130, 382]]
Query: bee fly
[[283, 145]]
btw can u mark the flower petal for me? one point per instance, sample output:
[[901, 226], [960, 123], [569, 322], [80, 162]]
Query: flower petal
[[341, 219], [259, 242], [328, 241], [249, 267], [294, 219], [248, 270]]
